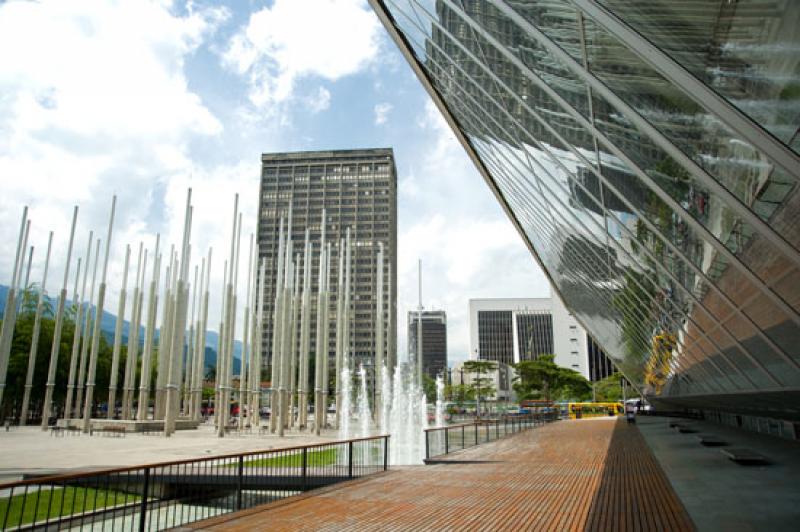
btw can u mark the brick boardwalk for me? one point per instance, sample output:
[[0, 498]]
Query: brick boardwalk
[[572, 475]]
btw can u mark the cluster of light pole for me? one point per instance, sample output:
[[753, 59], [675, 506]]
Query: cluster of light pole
[[180, 340], [183, 305]]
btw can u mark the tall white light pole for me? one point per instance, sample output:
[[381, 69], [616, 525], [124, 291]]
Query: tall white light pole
[[87, 332], [379, 350], [76, 338], [255, 394], [133, 338], [246, 365], [178, 325], [37, 325], [54, 350], [305, 328], [149, 332], [101, 296], [112, 384], [10, 317], [339, 332], [275, 362]]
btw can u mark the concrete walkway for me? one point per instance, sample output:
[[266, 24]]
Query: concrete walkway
[[594, 474], [720, 494], [29, 450]]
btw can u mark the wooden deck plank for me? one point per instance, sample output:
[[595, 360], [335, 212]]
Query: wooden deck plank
[[593, 474]]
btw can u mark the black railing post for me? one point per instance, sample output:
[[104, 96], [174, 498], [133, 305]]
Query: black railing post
[[463, 439], [477, 429], [446, 441], [303, 481], [497, 429], [385, 453], [239, 483], [143, 505], [350, 459], [427, 445]]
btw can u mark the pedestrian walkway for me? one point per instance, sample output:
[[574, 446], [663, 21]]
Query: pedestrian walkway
[[591, 474]]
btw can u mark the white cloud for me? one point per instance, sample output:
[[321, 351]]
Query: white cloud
[[294, 39], [319, 101], [469, 249], [94, 101], [382, 111]]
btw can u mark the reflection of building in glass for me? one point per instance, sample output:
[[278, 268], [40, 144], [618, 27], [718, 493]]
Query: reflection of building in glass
[[600, 366], [514, 330], [357, 189], [434, 340], [647, 153]]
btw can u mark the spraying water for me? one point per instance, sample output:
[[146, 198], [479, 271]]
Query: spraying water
[[364, 413], [439, 401], [404, 414], [344, 417]]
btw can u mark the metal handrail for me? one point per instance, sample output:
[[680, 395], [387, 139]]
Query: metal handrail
[[153, 465], [174, 493], [516, 423]]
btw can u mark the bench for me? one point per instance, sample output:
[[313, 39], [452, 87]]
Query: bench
[[709, 440], [118, 431], [744, 456], [56, 431]]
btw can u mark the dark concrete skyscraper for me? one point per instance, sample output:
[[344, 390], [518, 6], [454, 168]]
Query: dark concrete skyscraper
[[434, 340], [358, 190], [648, 153]]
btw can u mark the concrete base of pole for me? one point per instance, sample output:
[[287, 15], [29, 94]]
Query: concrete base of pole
[[324, 409], [47, 409], [87, 408], [112, 402], [319, 412], [273, 407], [26, 399]]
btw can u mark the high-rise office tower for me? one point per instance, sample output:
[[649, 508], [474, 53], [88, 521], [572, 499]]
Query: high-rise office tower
[[648, 154], [434, 340], [357, 189]]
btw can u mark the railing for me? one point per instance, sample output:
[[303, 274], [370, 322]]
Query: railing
[[170, 494], [445, 440]]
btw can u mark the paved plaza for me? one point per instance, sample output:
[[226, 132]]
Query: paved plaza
[[29, 450], [570, 475]]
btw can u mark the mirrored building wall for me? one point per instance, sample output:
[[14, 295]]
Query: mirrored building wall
[[647, 152]]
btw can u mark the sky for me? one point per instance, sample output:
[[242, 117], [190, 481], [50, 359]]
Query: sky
[[144, 99]]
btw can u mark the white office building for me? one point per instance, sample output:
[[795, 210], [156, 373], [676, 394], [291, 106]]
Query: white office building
[[517, 329]]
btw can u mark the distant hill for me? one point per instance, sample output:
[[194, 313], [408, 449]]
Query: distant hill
[[109, 322]]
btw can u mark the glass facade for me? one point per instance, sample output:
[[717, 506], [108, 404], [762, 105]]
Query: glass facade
[[496, 336], [647, 152], [534, 335]]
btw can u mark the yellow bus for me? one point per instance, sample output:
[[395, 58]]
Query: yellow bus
[[581, 410]]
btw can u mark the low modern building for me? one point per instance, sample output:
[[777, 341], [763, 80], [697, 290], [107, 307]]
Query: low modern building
[[434, 340], [501, 379], [513, 330]]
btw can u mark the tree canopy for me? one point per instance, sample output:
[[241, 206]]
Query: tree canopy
[[544, 379]]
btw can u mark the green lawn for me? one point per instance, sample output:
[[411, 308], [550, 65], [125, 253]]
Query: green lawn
[[322, 457], [59, 501], [315, 458]]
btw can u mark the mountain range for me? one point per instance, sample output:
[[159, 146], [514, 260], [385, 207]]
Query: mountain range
[[109, 321]]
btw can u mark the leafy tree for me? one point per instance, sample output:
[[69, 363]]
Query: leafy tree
[[459, 393], [609, 389], [429, 388], [544, 379], [479, 383]]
